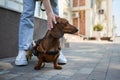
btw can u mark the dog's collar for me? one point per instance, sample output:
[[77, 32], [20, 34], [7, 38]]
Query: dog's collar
[[52, 52], [47, 52]]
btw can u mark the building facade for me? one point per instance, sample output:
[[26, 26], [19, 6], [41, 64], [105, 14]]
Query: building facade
[[9, 21], [17, 5], [87, 13], [82, 13]]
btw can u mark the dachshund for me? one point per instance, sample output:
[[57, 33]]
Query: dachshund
[[47, 49]]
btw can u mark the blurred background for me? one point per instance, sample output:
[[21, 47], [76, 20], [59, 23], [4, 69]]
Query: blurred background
[[95, 20], [85, 14]]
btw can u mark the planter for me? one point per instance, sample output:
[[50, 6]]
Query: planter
[[98, 28]]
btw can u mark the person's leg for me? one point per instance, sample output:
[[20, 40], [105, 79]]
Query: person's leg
[[26, 29], [54, 4]]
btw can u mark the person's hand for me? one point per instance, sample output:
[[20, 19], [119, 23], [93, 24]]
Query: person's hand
[[51, 18]]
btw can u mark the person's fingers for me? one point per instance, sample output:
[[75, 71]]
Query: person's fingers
[[54, 20], [50, 25], [51, 20], [56, 16]]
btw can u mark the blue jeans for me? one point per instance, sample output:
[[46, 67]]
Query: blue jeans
[[26, 27]]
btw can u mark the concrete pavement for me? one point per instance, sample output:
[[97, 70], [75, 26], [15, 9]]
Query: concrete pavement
[[86, 61]]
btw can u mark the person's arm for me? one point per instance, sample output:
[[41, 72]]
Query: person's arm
[[50, 14]]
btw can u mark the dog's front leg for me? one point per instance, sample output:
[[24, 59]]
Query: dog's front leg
[[38, 65], [56, 65]]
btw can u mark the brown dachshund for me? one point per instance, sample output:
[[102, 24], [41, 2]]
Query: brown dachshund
[[47, 49]]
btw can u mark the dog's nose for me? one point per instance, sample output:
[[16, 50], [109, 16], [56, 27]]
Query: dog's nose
[[76, 30]]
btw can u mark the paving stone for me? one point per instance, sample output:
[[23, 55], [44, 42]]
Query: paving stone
[[97, 76], [39, 78], [5, 65], [8, 76], [4, 72], [85, 70], [68, 72], [59, 77]]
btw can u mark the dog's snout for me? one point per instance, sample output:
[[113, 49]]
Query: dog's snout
[[76, 30]]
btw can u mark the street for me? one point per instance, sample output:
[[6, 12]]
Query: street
[[86, 61]]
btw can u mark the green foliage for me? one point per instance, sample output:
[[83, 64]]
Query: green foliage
[[98, 27]]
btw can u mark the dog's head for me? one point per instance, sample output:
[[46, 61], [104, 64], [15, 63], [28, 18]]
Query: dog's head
[[62, 27]]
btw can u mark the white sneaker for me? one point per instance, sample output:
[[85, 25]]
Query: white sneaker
[[21, 58], [62, 60]]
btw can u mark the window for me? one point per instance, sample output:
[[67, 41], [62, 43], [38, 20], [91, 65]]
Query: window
[[75, 3], [81, 2]]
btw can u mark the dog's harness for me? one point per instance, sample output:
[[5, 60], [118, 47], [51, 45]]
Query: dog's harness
[[36, 52]]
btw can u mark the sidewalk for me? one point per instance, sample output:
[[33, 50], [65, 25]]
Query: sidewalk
[[86, 61]]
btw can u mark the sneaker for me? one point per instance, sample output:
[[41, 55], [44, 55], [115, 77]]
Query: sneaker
[[62, 60], [21, 58]]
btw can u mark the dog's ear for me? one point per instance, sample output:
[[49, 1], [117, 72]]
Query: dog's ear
[[56, 32], [58, 19], [61, 20]]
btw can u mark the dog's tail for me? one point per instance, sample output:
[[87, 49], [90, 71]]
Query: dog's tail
[[30, 50]]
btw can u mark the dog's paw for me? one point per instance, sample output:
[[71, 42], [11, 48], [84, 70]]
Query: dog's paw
[[58, 67], [37, 68]]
